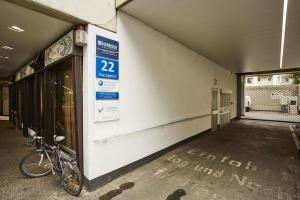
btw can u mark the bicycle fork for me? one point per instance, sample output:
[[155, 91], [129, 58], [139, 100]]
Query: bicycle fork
[[50, 161], [46, 166], [41, 160]]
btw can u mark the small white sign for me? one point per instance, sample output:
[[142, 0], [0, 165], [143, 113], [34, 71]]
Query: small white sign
[[106, 85], [106, 110]]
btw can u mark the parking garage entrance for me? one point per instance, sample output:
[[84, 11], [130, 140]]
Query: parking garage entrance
[[273, 96]]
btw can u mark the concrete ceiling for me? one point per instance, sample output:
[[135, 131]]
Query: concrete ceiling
[[40, 31], [241, 35]]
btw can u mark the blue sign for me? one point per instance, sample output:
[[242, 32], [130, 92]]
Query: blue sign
[[107, 79], [107, 68], [107, 95], [107, 48]]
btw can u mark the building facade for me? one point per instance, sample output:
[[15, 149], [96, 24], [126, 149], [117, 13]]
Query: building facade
[[124, 96]]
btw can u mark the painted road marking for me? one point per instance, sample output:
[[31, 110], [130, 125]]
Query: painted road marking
[[236, 179], [225, 159], [295, 137]]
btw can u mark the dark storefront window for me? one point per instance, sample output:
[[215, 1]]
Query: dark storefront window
[[29, 102], [40, 103], [46, 101], [19, 109], [64, 104]]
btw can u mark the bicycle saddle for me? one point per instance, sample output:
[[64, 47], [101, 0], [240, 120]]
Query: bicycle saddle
[[59, 138], [31, 132]]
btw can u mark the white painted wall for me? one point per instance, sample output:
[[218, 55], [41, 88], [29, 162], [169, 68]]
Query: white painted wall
[[99, 12], [161, 81]]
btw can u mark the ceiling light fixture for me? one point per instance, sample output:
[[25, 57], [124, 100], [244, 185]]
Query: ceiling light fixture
[[5, 57], [7, 48], [285, 7], [15, 28]]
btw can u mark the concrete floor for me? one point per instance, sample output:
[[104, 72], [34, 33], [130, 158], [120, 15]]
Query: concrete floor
[[248, 160], [269, 115]]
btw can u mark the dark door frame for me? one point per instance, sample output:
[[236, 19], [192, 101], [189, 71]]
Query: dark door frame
[[77, 70]]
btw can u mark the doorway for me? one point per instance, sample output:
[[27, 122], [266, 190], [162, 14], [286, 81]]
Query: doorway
[[4, 101], [214, 110], [62, 103], [225, 113]]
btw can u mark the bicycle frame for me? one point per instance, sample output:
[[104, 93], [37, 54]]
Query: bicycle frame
[[55, 164]]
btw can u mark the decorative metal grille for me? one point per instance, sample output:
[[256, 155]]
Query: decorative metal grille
[[272, 97]]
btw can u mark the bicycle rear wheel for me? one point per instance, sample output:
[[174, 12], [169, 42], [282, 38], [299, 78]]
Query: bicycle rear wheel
[[72, 178], [34, 165]]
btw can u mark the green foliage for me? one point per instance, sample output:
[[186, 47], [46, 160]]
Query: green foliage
[[296, 78]]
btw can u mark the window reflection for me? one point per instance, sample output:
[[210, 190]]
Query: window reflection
[[64, 103], [40, 103], [19, 105]]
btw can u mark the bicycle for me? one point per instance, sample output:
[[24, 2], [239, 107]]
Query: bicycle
[[46, 159]]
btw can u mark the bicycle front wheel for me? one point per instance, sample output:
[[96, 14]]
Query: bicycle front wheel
[[35, 165]]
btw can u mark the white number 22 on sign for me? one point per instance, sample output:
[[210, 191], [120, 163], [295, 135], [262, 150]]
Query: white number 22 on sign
[[107, 66]]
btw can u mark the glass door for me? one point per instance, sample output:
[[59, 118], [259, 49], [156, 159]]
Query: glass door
[[64, 104], [29, 101], [40, 103], [225, 108], [20, 106], [214, 110]]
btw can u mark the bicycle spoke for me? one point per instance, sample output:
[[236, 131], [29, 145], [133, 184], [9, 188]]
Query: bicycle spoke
[[35, 165], [72, 178]]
